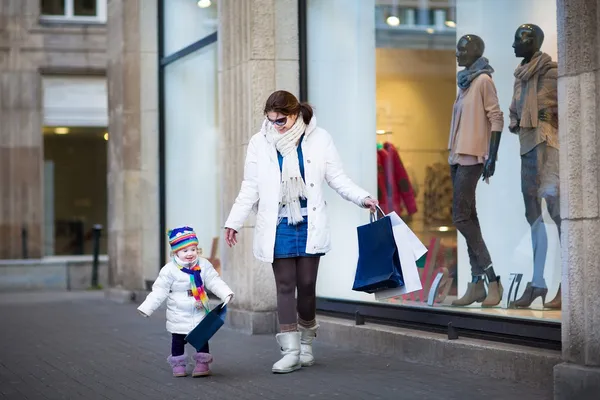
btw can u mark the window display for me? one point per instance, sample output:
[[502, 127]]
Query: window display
[[482, 199]]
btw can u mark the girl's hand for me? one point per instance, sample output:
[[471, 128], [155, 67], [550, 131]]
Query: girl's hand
[[142, 314], [371, 204], [230, 237]]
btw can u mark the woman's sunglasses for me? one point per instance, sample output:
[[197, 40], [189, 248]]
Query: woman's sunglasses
[[279, 121]]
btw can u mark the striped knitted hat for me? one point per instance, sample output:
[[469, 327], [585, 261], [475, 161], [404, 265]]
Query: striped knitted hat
[[180, 238]]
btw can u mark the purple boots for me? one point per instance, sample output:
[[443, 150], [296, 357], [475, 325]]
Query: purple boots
[[202, 361], [178, 363]]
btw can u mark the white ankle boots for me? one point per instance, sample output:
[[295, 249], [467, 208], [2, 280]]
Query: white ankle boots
[[296, 349], [290, 350]]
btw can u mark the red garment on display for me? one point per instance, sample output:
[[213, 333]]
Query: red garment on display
[[382, 188], [401, 188]]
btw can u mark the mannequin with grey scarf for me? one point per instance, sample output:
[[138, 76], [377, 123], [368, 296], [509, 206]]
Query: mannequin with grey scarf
[[468, 51], [527, 45], [469, 54]]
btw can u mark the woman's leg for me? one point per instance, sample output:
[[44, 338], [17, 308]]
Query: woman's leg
[[285, 280], [306, 281], [289, 338]]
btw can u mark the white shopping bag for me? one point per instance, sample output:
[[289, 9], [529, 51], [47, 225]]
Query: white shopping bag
[[410, 250]]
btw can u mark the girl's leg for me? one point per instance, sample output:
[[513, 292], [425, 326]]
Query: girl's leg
[[177, 359], [285, 280], [306, 280], [177, 345], [204, 349]]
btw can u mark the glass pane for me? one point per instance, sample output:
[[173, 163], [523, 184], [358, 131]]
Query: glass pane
[[192, 139], [85, 8], [403, 107], [185, 22], [53, 7]]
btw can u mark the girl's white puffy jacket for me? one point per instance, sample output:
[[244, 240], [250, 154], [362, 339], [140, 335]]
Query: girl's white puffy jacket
[[261, 186], [172, 285]]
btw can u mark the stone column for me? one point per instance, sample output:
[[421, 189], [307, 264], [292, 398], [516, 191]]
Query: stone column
[[21, 141], [578, 377], [133, 225], [258, 54]]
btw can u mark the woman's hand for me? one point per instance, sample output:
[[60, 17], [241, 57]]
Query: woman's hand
[[371, 204], [142, 314], [230, 237]]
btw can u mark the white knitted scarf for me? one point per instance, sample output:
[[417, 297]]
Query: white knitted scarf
[[292, 185]]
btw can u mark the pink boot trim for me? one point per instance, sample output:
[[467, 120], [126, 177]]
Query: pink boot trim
[[178, 363], [202, 361]]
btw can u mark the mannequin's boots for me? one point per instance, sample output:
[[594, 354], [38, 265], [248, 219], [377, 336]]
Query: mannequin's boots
[[307, 335], [556, 303], [290, 350], [178, 363], [202, 364], [529, 295], [475, 294], [494, 295]]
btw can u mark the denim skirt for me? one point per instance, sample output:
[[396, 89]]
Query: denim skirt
[[290, 240]]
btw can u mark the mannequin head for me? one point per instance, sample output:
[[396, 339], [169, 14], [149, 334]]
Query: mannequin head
[[528, 41], [468, 50]]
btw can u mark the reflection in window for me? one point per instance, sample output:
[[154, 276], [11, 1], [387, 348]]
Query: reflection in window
[[85, 7], [53, 7]]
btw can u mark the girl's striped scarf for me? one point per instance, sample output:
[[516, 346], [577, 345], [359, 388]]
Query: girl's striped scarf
[[198, 291]]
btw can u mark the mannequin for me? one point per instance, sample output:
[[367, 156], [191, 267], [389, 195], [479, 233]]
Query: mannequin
[[477, 123], [534, 117]]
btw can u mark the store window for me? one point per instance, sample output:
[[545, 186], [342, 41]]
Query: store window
[[190, 128], [74, 10], [382, 75]]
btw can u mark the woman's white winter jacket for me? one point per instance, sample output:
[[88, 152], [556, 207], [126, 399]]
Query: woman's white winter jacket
[[172, 285], [261, 186]]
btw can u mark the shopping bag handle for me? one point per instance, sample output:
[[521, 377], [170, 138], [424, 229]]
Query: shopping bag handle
[[373, 216]]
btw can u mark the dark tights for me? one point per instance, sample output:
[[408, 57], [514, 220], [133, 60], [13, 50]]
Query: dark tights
[[293, 274], [178, 343]]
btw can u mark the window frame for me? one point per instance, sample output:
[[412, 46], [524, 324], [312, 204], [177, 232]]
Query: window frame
[[70, 17]]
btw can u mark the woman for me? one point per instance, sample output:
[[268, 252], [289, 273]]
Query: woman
[[286, 164]]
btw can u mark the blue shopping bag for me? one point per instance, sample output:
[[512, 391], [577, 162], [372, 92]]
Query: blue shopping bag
[[378, 266], [212, 322]]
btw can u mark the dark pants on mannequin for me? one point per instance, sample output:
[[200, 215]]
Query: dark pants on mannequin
[[178, 343], [464, 215], [540, 180]]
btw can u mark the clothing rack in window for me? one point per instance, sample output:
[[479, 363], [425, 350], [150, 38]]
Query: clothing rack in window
[[434, 151]]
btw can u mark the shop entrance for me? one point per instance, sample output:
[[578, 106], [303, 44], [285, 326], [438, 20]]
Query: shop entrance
[[75, 189], [75, 138]]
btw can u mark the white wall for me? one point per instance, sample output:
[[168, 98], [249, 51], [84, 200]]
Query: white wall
[[500, 204], [192, 172], [75, 101], [341, 87]]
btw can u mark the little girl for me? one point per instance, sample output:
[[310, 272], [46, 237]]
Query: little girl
[[182, 282]]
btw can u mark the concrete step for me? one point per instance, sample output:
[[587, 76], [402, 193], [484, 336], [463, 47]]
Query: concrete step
[[492, 359]]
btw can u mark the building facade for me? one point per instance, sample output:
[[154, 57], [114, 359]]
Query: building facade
[[185, 84]]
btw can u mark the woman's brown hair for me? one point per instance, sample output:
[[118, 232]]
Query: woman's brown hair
[[287, 104]]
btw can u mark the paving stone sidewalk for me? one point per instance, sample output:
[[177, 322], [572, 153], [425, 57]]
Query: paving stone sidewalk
[[80, 346]]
